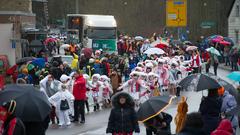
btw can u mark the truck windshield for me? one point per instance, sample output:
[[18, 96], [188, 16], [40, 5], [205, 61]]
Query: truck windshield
[[101, 33]]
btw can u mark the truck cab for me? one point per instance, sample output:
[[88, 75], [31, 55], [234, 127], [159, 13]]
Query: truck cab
[[95, 31]]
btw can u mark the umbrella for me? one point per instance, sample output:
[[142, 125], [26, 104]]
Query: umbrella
[[161, 46], [216, 38], [187, 43], [153, 44], [229, 40], [24, 60], [153, 107], [40, 62], [227, 86], [191, 48], [214, 51], [87, 52], [32, 105], [138, 38], [181, 114], [235, 76], [225, 43], [200, 82], [154, 51], [49, 40], [65, 46]]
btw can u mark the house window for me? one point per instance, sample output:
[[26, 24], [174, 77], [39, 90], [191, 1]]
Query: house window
[[237, 11], [237, 36]]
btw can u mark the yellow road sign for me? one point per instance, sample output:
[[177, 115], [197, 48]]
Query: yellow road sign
[[176, 13]]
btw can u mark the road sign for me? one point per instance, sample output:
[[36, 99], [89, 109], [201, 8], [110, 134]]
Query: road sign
[[207, 24], [176, 13]]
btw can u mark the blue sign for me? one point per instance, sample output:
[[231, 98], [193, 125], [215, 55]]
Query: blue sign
[[13, 44], [178, 2]]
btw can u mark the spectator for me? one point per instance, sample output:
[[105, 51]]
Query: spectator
[[79, 93]]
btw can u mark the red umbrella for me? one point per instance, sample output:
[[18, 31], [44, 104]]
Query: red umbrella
[[87, 52], [225, 43], [217, 39], [161, 46], [49, 40]]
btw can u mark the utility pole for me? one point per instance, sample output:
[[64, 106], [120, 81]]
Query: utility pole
[[77, 6]]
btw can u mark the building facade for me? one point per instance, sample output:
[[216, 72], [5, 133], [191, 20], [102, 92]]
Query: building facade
[[234, 22], [143, 17]]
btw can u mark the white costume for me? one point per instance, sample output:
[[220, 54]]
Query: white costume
[[96, 90], [56, 99], [106, 89]]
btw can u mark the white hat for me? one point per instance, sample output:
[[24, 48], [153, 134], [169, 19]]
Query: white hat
[[96, 76], [143, 74], [152, 74], [64, 78], [150, 65], [161, 61], [86, 76], [104, 78], [139, 69], [134, 73]]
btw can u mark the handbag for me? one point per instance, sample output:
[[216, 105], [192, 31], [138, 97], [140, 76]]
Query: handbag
[[64, 105]]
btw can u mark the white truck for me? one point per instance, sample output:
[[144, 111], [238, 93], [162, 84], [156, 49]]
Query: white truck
[[95, 31]]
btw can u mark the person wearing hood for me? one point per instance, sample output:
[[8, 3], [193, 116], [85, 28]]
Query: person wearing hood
[[123, 118], [106, 91], [224, 128], [211, 117], [229, 104], [134, 87], [116, 80], [61, 100], [9, 123], [193, 125], [96, 88], [74, 64]]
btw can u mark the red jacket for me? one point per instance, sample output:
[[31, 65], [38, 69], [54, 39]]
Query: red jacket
[[79, 88], [224, 128]]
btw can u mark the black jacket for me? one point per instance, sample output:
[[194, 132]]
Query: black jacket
[[210, 109], [123, 118]]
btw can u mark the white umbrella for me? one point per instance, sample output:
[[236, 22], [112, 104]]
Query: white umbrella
[[138, 38], [154, 51], [212, 50], [62, 47], [191, 48]]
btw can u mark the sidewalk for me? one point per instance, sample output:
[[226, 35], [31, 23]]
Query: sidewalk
[[222, 66]]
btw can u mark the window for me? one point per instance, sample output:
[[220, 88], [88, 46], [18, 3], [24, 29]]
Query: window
[[237, 11], [101, 33]]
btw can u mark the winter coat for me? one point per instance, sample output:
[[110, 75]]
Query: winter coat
[[58, 97], [123, 118], [211, 117], [56, 72], [229, 103], [191, 131], [224, 128], [105, 68], [37, 128], [79, 88]]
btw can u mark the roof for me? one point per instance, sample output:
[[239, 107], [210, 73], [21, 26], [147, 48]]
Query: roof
[[39, 1], [231, 8], [98, 20]]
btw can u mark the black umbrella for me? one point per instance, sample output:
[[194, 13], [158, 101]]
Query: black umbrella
[[153, 107], [228, 87], [24, 60], [200, 82], [32, 105]]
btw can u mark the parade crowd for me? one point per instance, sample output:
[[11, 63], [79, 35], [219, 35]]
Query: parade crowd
[[123, 80]]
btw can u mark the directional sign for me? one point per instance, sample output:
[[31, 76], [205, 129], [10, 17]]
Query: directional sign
[[176, 13]]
